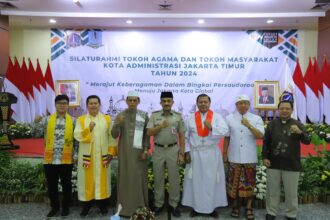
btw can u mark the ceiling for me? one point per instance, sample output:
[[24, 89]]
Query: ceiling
[[222, 14]]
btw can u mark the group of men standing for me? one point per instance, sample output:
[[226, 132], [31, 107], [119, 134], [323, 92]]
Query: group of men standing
[[194, 143]]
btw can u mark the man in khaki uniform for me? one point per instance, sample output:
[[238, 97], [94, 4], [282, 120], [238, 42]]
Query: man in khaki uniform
[[168, 129]]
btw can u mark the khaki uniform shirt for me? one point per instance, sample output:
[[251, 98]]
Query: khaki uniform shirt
[[169, 134]]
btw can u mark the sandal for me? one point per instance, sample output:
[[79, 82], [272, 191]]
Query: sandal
[[249, 214], [235, 213]]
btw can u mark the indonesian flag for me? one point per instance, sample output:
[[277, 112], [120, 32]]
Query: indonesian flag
[[319, 80], [29, 88], [312, 94], [15, 85], [43, 88], [10, 85], [50, 90], [326, 90], [287, 84], [35, 88], [300, 89]]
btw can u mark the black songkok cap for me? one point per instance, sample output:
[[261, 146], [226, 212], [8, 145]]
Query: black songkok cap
[[287, 97], [166, 95], [264, 88]]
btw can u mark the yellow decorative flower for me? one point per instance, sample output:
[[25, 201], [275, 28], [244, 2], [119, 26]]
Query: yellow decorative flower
[[323, 177]]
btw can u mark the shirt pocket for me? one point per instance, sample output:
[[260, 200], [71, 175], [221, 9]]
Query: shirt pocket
[[174, 124], [158, 121]]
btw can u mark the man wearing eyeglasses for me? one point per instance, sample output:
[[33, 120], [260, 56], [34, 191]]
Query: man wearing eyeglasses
[[59, 153]]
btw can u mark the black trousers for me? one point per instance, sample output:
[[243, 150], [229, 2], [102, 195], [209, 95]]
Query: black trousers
[[53, 173]]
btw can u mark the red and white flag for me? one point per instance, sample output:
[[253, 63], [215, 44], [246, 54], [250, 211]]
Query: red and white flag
[[43, 88], [326, 90], [318, 78], [50, 90], [35, 88], [15, 85], [29, 88], [10, 85], [287, 84], [300, 89], [312, 94]]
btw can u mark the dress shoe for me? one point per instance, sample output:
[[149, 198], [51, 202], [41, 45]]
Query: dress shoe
[[104, 211], [193, 213], [84, 212], [52, 213], [270, 217], [214, 214], [65, 212], [175, 211], [157, 210], [290, 218]]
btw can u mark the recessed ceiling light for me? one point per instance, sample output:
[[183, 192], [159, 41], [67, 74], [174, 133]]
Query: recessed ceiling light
[[201, 21], [129, 22], [270, 21], [75, 1], [52, 21]]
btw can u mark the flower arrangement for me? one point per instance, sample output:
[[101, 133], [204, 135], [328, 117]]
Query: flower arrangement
[[261, 180], [143, 213], [321, 130], [20, 130]]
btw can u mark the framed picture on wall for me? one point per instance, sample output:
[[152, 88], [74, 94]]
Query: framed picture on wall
[[266, 94], [71, 88]]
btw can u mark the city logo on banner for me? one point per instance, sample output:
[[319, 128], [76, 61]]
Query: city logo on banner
[[64, 39], [94, 39], [73, 40], [284, 40], [269, 39]]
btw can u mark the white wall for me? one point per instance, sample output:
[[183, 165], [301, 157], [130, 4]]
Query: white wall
[[30, 43], [307, 47]]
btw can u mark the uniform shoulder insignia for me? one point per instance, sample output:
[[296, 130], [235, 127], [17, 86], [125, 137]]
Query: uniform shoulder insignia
[[156, 111]]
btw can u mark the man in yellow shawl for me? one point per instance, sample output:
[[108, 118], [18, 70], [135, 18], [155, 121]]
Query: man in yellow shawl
[[96, 149], [58, 131]]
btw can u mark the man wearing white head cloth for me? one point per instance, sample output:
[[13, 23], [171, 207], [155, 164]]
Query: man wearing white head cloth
[[133, 144], [240, 150]]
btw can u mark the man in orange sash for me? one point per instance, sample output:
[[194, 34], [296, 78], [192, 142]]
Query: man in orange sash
[[204, 187]]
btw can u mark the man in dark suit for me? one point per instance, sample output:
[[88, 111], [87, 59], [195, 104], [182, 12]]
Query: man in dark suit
[[265, 98]]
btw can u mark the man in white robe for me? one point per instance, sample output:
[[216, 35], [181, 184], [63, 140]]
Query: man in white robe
[[204, 187]]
